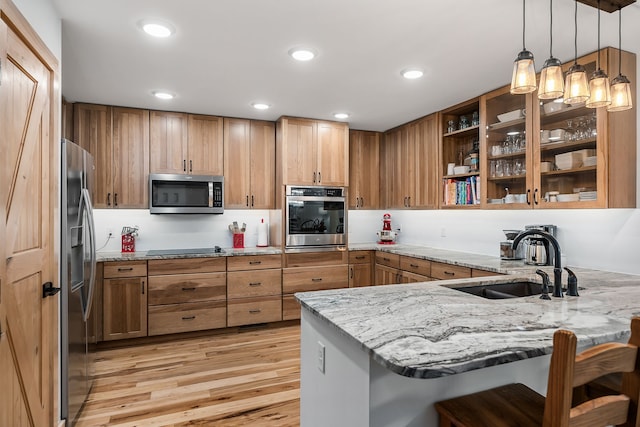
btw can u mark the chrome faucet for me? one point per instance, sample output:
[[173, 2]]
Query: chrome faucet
[[557, 266]]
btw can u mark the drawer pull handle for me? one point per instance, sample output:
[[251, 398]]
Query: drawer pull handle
[[188, 289], [360, 257], [255, 284], [256, 311], [414, 265], [386, 259], [255, 262], [449, 273], [317, 279], [125, 268], [188, 317]]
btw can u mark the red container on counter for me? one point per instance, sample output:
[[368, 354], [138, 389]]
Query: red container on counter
[[128, 243], [238, 240]]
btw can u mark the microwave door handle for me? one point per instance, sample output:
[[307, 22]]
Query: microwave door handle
[[210, 194]]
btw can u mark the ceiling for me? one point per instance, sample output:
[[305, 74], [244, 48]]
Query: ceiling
[[226, 54]]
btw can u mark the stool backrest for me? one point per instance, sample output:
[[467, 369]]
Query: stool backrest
[[569, 370]]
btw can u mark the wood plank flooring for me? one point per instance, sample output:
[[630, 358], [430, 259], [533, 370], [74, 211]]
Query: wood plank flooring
[[241, 378]]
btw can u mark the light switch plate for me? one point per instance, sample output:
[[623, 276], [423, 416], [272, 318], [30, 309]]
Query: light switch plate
[[321, 355]]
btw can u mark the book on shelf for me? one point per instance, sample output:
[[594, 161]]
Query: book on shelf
[[461, 191]]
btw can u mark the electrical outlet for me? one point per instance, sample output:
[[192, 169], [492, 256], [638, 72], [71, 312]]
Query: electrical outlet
[[321, 355], [110, 232], [399, 228], [443, 232]]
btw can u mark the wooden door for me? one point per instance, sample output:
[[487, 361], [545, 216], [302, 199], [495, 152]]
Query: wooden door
[[360, 275], [168, 133], [92, 131], [124, 305], [29, 193], [237, 163], [364, 170], [387, 275], [425, 152], [130, 136], [205, 145], [333, 154], [263, 165], [299, 152]]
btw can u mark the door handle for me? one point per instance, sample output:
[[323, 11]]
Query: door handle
[[319, 178], [252, 200], [115, 199], [362, 202], [190, 166], [255, 262], [247, 202], [48, 290], [253, 284], [535, 196], [314, 177], [357, 202], [188, 289], [184, 165], [108, 199], [351, 273], [317, 279], [529, 196], [142, 286]]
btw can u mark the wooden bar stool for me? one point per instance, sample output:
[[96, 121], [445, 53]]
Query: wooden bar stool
[[516, 405]]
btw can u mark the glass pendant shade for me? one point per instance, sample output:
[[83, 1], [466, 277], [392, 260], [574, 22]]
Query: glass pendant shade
[[599, 89], [576, 85], [551, 80], [620, 94], [524, 74]]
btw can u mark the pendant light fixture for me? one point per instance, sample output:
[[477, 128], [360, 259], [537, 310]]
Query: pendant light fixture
[[523, 79], [576, 85], [599, 83], [551, 78], [620, 86]]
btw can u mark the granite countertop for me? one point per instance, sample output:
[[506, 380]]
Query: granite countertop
[[205, 253], [428, 330]]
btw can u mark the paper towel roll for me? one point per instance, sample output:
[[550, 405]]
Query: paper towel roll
[[263, 234]]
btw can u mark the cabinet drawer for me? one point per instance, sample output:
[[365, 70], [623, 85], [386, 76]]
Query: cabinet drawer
[[303, 279], [113, 270], [307, 259], [242, 284], [444, 271], [476, 272], [253, 262], [390, 260], [360, 257], [290, 308], [248, 311], [173, 318], [408, 277], [415, 265], [187, 265], [178, 288]]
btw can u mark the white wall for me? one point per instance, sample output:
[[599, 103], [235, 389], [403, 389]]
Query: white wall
[[44, 18]]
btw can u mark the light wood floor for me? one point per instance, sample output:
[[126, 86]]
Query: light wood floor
[[246, 378]]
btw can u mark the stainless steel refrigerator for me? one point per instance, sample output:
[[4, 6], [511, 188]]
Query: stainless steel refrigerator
[[78, 268]]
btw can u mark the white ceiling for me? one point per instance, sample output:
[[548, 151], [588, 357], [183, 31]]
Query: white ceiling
[[226, 54]]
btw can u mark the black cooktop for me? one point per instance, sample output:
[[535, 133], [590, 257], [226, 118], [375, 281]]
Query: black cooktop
[[196, 251]]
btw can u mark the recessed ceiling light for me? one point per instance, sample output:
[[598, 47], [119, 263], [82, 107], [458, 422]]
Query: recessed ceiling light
[[341, 115], [260, 106], [302, 53], [412, 73], [157, 28], [163, 95]]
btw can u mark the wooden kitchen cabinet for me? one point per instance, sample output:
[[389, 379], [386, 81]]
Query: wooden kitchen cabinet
[[124, 300], [410, 165], [385, 275], [186, 143], [187, 294], [254, 289], [443, 271], [361, 268], [312, 152], [118, 140], [249, 162], [395, 269], [364, 169]]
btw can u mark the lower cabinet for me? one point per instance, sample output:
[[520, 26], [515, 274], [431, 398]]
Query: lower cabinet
[[187, 295], [311, 271], [124, 300], [360, 268]]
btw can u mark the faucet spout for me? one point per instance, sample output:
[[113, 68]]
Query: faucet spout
[[557, 265]]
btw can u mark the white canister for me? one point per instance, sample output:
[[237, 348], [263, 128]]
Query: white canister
[[450, 167], [263, 234]]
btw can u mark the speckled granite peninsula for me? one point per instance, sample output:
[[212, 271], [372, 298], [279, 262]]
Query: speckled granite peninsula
[[443, 342]]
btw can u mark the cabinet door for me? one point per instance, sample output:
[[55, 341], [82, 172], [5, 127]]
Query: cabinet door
[[92, 131], [360, 275], [424, 151], [130, 138], [299, 152], [387, 275], [237, 161], [333, 154], [364, 161], [168, 142], [205, 146], [263, 165], [124, 308]]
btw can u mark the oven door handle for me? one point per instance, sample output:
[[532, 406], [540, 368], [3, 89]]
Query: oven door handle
[[314, 199]]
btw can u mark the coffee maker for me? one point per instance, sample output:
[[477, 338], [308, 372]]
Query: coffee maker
[[538, 250], [506, 247]]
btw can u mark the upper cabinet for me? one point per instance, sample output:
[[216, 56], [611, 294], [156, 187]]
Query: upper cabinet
[[186, 144], [364, 159], [118, 139], [552, 155], [249, 162], [410, 165], [312, 152]]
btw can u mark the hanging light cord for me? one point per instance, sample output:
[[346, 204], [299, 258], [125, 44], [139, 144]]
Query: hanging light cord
[[598, 34], [619, 40], [575, 37], [524, 23], [551, 29]]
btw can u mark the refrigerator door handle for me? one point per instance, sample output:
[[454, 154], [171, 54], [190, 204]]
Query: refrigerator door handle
[[92, 247]]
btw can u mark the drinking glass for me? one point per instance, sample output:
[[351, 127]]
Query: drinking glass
[[569, 132], [499, 168], [492, 168], [507, 168], [517, 166]]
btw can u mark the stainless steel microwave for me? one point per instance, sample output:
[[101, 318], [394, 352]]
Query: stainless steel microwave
[[186, 194]]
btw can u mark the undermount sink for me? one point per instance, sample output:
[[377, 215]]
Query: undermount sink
[[503, 290]]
